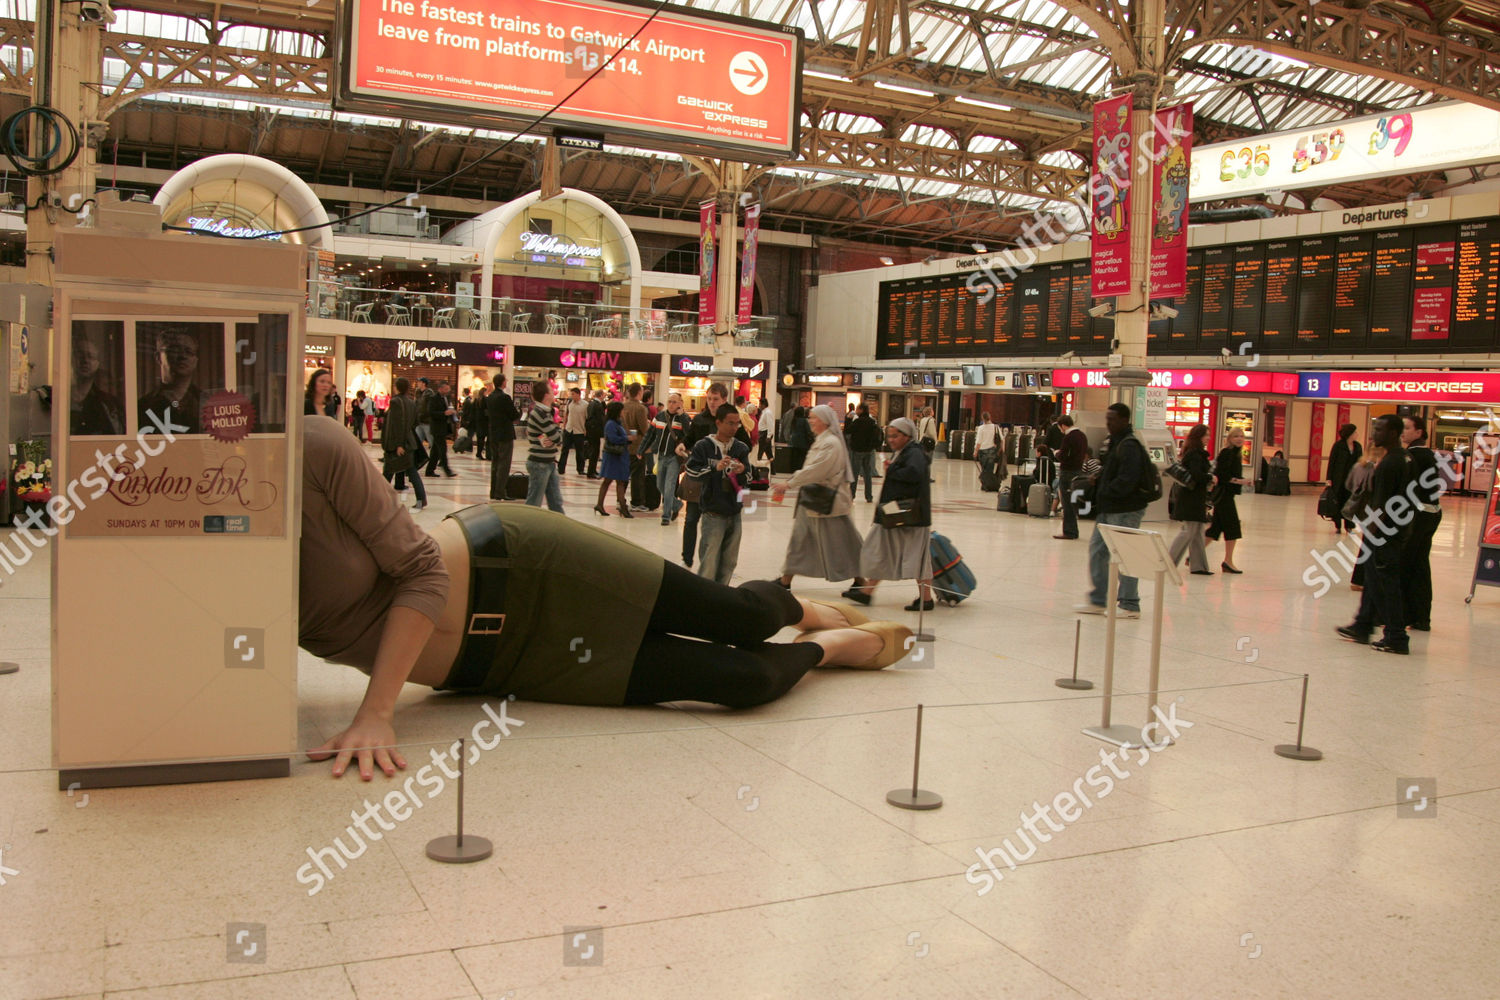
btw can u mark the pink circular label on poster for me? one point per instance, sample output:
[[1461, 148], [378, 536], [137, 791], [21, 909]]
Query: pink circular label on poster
[[228, 416]]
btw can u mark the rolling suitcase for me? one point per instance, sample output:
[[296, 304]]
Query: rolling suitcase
[[1019, 487], [462, 442], [989, 480], [782, 461], [760, 478], [1039, 500], [517, 485], [952, 580], [650, 497]]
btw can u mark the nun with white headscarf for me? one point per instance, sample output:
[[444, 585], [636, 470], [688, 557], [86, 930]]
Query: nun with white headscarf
[[824, 542], [896, 547]]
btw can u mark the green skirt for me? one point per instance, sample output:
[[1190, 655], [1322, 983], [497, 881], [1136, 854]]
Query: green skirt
[[577, 602]]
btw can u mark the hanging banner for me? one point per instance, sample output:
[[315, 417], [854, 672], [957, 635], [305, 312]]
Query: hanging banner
[[708, 269], [1171, 151], [1110, 198], [1315, 445], [747, 262]]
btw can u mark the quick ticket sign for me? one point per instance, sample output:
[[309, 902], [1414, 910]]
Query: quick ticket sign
[[669, 80]]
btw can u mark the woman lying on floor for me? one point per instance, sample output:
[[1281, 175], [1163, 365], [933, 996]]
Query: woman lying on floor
[[502, 599]]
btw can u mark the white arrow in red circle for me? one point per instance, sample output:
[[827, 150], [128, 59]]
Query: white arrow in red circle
[[747, 71]]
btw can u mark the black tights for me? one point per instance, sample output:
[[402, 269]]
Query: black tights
[[707, 642]]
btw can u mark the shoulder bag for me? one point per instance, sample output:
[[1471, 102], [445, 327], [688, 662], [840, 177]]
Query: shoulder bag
[[816, 498]]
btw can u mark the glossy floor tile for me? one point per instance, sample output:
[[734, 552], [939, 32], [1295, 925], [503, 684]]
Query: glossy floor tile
[[691, 851]]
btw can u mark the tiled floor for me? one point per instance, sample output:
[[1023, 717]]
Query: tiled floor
[[752, 854]]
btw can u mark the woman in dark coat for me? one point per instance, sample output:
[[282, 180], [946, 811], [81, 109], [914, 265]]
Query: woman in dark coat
[[1190, 503], [799, 437], [398, 440], [1342, 459], [1229, 473], [615, 465], [899, 553]]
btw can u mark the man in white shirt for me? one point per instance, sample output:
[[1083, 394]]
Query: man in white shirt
[[767, 430]]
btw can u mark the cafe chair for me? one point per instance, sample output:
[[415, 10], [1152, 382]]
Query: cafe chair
[[444, 317], [362, 312], [520, 323]]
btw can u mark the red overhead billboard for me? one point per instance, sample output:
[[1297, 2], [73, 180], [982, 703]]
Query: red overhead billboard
[[686, 82]]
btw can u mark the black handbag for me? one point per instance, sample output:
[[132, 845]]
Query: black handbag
[[817, 499], [897, 514], [615, 449], [1179, 474]]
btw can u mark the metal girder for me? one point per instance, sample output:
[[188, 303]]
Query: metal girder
[[1357, 41], [155, 65], [876, 154]]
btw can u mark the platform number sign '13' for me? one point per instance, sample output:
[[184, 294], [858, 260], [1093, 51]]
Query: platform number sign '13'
[[1315, 385]]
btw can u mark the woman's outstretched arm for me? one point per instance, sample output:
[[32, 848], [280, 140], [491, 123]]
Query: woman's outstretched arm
[[371, 737]]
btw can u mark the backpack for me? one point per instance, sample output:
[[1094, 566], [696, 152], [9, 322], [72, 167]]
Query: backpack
[[1149, 486]]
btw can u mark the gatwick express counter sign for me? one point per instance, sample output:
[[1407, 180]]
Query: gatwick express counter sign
[[669, 79]]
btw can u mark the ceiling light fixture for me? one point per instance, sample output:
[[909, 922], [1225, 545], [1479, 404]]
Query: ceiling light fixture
[[904, 90], [980, 248], [886, 261], [992, 105]]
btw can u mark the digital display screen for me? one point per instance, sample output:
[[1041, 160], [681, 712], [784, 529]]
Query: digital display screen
[[1416, 288]]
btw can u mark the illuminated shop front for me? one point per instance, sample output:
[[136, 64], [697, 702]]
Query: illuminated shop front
[[567, 266], [586, 369], [244, 196], [375, 363], [690, 376]]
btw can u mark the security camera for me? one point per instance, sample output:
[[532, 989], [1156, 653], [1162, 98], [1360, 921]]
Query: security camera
[[1101, 310], [96, 12], [1160, 311]]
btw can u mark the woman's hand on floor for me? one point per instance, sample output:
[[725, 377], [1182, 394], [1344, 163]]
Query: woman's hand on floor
[[368, 739]]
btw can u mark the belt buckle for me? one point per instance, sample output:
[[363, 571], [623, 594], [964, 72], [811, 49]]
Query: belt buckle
[[486, 624]]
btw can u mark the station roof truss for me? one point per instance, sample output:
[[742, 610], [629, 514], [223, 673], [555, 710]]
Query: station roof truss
[[937, 123]]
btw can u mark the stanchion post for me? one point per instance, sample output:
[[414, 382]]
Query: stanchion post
[[915, 797], [1299, 752], [458, 849], [1073, 683]]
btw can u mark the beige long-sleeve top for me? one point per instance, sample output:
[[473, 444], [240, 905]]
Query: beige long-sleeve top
[[826, 466], [361, 553]]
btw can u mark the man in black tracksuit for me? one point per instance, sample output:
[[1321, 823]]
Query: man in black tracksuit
[[501, 415], [1416, 566], [703, 425], [1385, 532]]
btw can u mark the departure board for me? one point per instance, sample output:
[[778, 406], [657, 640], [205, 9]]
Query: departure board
[[1005, 319], [1083, 334], [1217, 298], [1351, 292], [1184, 329], [1315, 294], [1056, 332], [1474, 308], [1406, 289], [947, 315], [1391, 289], [1248, 296], [1432, 285], [1278, 318], [1031, 309]]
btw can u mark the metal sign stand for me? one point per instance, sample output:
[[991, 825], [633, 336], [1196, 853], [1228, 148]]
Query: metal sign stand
[[1487, 559], [1138, 553]]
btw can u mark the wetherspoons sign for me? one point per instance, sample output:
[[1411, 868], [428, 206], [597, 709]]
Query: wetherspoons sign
[[226, 228], [545, 243]]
